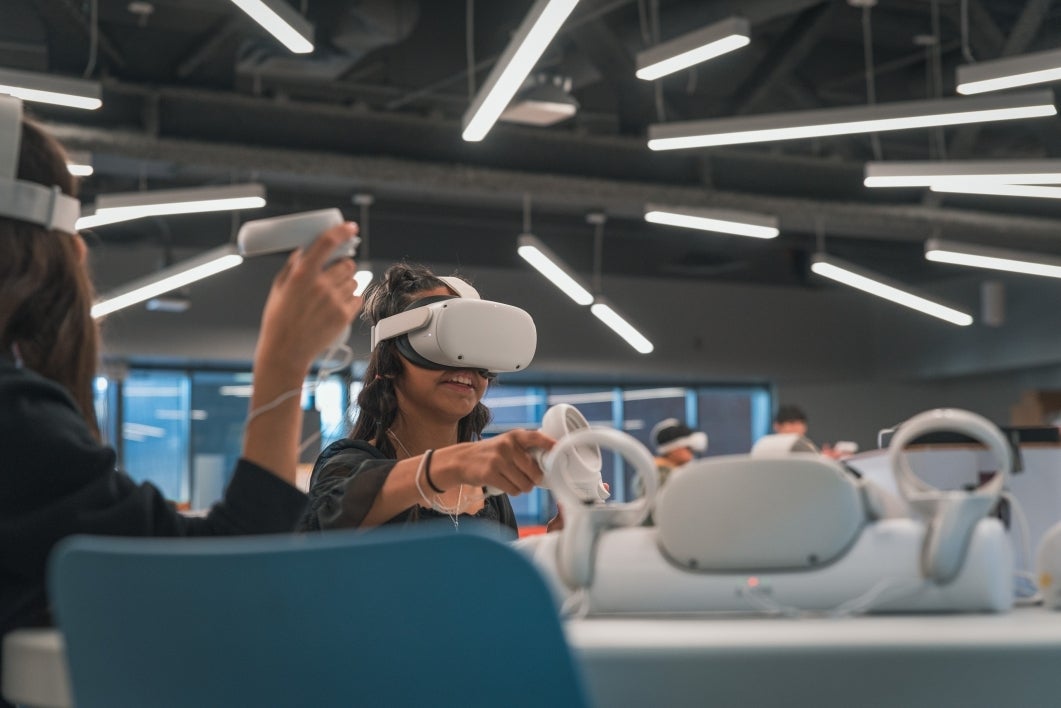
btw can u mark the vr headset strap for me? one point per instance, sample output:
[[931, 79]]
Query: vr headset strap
[[10, 136], [37, 204], [29, 201], [399, 324]]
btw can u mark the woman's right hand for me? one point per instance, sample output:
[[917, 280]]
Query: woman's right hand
[[505, 462]]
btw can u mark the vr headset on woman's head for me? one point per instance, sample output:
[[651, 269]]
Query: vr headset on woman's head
[[461, 332], [22, 199]]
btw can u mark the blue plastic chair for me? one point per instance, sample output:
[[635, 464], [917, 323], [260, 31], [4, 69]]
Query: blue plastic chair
[[389, 618]]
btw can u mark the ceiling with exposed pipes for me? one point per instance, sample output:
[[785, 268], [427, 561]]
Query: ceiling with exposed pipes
[[194, 94]]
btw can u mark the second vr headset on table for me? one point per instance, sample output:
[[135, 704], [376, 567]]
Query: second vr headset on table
[[462, 332]]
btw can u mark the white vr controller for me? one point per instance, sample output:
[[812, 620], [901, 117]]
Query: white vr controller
[[580, 465], [286, 233], [952, 516]]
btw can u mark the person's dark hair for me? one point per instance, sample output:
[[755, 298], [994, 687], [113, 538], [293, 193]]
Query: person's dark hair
[[790, 414], [391, 294], [45, 292]]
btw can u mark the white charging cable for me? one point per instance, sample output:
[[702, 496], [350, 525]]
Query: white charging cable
[[884, 590], [322, 375]]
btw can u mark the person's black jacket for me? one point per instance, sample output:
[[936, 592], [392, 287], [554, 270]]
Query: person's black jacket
[[57, 480]]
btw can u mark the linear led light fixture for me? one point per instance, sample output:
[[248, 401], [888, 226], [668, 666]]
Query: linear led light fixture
[[79, 164], [282, 21], [176, 276], [522, 53], [999, 190], [603, 310], [46, 88], [940, 251], [845, 121], [692, 48], [740, 223], [545, 262], [113, 208], [876, 284], [965, 172], [1010, 72]]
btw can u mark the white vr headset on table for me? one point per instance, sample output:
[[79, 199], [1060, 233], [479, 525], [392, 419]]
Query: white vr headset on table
[[792, 532], [461, 332], [22, 199]]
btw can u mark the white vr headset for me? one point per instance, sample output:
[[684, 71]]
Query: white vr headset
[[462, 332], [24, 200]]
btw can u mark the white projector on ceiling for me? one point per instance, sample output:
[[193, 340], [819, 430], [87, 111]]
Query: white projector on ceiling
[[544, 100]]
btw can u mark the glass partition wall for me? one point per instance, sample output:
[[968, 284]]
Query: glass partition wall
[[182, 429]]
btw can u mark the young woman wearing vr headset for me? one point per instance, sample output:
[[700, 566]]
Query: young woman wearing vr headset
[[414, 453], [57, 477]]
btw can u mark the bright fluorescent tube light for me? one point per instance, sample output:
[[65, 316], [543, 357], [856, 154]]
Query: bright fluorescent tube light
[[999, 190], [363, 278], [46, 88], [545, 262], [79, 169], [965, 254], [844, 121], [113, 208], [280, 20], [522, 53], [604, 312], [692, 48], [724, 221], [1010, 72], [964, 172], [178, 275], [875, 284], [79, 164]]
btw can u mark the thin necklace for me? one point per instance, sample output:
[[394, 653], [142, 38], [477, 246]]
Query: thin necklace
[[400, 443], [452, 512]]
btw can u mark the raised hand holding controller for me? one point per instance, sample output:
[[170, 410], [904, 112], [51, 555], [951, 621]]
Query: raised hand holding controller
[[286, 233]]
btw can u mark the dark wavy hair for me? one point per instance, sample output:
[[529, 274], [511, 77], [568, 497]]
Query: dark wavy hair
[[378, 403], [45, 292]]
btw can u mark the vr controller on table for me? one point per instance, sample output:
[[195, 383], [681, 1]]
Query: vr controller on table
[[579, 465], [291, 231]]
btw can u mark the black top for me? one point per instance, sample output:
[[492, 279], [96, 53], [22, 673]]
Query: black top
[[56, 479], [347, 478]]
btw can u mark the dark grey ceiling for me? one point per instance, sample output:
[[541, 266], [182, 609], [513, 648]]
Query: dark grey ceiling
[[195, 93]]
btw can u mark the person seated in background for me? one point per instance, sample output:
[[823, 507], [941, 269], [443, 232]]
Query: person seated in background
[[790, 419], [415, 452], [57, 477], [676, 444]]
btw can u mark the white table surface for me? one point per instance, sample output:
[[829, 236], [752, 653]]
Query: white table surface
[[1004, 660]]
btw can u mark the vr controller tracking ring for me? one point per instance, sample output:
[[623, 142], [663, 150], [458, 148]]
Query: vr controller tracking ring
[[952, 516]]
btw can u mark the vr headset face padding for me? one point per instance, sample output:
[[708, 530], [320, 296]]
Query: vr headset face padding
[[737, 513]]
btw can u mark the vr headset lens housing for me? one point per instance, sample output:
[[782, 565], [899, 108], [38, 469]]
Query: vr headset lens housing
[[463, 333]]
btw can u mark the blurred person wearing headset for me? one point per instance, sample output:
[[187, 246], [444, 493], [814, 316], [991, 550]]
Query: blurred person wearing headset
[[58, 478]]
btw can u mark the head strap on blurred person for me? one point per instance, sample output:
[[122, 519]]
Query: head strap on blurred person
[[23, 200]]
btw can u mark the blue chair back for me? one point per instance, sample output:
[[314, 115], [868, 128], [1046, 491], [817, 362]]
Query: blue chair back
[[389, 618]]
